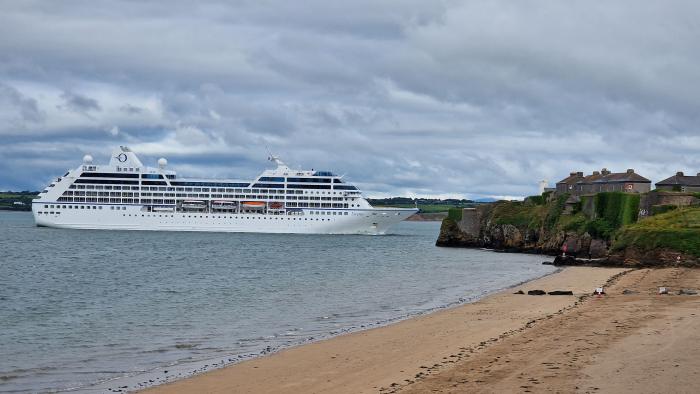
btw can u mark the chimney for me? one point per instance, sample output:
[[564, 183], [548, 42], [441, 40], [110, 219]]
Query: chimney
[[679, 173], [596, 172], [605, 171], [579, 173], [572, 173], [630, 170]]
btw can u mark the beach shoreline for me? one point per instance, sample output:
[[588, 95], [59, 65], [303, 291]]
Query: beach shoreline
[[392, 355]]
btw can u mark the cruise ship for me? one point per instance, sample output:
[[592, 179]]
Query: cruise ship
[[126, 195]]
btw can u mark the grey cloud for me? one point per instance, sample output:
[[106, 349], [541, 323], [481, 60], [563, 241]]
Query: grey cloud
[[79, 103], [16, 109], [462, 97], [131, 109]]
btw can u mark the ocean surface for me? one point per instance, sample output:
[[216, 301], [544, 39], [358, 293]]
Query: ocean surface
[[94, 311]]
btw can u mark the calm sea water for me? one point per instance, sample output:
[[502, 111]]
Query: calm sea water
[[95, 310]]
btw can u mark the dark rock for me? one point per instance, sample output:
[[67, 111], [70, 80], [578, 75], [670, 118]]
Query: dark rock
[[598, 248], [536, 292], [566, 260], [628, 291], [548, 263], [687, 292], [519, 292], [561, 292], [452, 235]]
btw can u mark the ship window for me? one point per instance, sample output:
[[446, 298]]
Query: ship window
[[46, 206], [82, 207]]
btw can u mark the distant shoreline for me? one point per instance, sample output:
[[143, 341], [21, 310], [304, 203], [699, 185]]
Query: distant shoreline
[[427, 217]]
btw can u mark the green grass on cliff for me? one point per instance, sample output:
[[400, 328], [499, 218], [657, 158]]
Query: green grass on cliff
[[519, 214], [531, 213], [606, 214], [455, 214], [678, 230]]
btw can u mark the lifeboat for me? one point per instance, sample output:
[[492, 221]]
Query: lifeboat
[[253, 205], [194, 204], [224, 204], [276, 205], [162, 209]]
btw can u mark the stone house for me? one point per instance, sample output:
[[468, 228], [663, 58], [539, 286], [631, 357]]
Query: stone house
[[568, 184], [604, 181], [680, 183]]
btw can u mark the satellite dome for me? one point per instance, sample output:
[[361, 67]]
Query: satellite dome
[[162, 162], [87, 159]]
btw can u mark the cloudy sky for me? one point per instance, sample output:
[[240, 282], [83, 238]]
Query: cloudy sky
[[426, 98]]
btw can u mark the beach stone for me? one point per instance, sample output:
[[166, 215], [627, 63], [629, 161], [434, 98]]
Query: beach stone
[[628, 291], [687, 292], [519, 292], [561, 292], [568, 260], [536, 292]]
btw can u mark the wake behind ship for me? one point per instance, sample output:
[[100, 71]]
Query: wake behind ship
[[126, 195]]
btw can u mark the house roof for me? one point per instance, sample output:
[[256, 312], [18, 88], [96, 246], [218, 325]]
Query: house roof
[[621, 177], [604, 177], [572, 178], [681, 180]]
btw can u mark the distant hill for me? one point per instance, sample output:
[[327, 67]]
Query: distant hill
[[486, 199]]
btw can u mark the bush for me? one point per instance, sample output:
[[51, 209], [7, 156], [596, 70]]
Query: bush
[[537, 200], [659, 209], [554, 211], [600, 228], [577, 223], [617, 208]]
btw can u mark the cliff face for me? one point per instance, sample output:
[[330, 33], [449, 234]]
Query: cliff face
[[484, 228], [602, 227]]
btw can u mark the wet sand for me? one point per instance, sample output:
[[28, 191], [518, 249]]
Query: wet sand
[[430, 352]]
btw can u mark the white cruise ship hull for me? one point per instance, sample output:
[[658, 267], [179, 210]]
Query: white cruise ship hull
[[373, 221], [126, 195]]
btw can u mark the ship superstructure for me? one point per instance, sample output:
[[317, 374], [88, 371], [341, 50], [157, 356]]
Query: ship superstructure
[[127, 195]]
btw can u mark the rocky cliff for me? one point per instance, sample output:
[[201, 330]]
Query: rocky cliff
[[601, 229]]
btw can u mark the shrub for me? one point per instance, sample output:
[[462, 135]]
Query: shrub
[[617, 208], [659, 209], [554, 211], [537, 200], [600, 228]]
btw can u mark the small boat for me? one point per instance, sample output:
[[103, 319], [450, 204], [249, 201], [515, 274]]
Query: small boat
[[162, 209], [276, 205], [194, 204], [253, 204], [224, 204]]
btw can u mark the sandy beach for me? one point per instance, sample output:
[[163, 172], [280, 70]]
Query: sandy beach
[[636, 341]]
